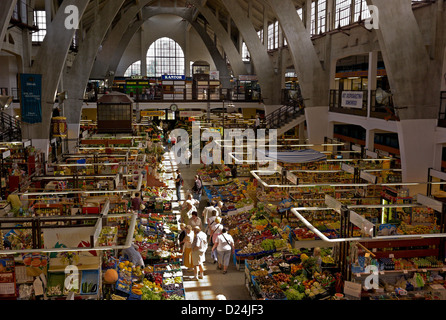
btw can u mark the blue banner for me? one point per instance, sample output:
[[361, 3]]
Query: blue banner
[[31, 97], [173, 77]]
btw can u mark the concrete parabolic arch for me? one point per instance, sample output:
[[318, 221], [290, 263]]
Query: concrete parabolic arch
[[76, 77], [184, 13], [101, 65], [49, 62]]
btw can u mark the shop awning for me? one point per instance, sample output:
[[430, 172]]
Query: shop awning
[[297, 156]]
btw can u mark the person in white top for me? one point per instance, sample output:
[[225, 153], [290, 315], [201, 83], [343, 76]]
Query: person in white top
[[187, 248], [189, 206], [216, 229], [224, 244], [199, 247]]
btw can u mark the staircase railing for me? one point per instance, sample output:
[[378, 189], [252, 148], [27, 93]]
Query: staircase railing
[[284, 115], [10, 128]]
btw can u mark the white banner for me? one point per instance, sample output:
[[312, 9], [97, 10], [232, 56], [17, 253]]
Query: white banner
[[352, 99]]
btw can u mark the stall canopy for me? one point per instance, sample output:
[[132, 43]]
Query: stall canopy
[[297, 156]]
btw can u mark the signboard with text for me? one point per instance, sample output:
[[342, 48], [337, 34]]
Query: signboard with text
[[352, 99], [31, 97]]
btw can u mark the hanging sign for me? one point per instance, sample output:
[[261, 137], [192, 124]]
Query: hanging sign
[[214, 75], [152, 113], [430, 202], [352, 99], [348, 168], [332, 202], [291, 177], [356, 147], [6, 154], [371, 154], [368, 177], [31, 97], [173, 77], [362, 223]]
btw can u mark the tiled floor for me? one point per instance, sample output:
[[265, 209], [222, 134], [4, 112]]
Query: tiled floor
[[231, 284]]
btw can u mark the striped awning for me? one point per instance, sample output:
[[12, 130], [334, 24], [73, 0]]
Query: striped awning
[[297, 156]]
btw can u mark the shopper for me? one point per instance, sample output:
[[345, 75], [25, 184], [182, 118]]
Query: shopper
[[189, 206], [199, 247], [207, 214], [197, 189], [182, 236], [187, 248], [234, 171], [216, 229], [137, 202], [219, 208], [224, 245], [178, 184], [195, 220]]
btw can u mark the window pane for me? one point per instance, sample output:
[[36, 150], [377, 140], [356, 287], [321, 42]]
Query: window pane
[[165, 56]]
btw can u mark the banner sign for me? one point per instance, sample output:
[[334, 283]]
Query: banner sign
[[152, 113], [352, 99], [173, 77], [31, 97], [214, 75]]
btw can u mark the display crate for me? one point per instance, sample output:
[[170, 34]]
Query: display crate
[[90, 277]]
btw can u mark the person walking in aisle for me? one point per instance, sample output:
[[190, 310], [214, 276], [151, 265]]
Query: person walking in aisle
[[178, 184], [197, 189], [182, 236], [187, 248], [216, 229], [199, 247], [207, 214], [195, 220], [219, 208], [224, 245], [189, 206]]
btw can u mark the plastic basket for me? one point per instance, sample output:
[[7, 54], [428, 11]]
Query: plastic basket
[[90, 276]]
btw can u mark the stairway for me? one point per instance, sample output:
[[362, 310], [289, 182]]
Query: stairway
[[10, 128], [285, 118]]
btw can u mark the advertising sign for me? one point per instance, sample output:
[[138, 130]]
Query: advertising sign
[[31, 97]]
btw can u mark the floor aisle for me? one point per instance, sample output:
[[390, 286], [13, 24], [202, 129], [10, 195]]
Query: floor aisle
[[214, 282]]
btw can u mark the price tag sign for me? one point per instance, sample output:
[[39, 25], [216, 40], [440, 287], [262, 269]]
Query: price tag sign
[[424, 270], [381, 272], [405, 271], [391, 256]]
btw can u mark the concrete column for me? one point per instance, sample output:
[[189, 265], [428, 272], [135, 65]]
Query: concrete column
[[316, 118], [307, 14], [143, 52], [417, 149], [370, 139], [265, 27], [373, 70]]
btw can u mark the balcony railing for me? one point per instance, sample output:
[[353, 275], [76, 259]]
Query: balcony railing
[[377, 110]]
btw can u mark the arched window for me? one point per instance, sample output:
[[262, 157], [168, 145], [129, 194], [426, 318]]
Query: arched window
[[165, 56], [133, 70]]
